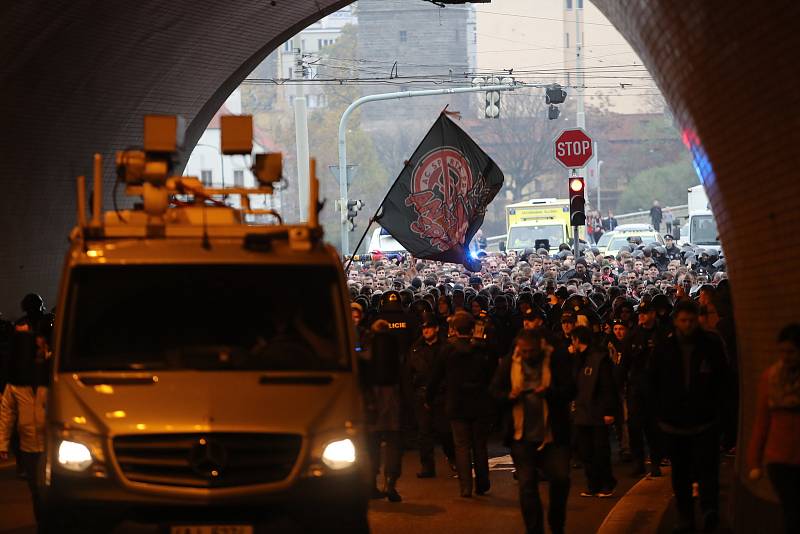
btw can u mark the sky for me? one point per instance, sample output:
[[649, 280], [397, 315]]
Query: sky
[[529, 36]]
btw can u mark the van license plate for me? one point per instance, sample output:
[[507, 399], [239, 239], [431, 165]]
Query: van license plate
[[211, 529]]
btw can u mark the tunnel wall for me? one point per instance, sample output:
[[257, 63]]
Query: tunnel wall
[[728, 71], [78, 76]]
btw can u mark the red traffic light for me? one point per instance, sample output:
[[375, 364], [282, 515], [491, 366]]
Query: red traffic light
[[576, 185]]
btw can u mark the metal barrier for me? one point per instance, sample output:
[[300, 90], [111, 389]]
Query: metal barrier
[[643, 217]]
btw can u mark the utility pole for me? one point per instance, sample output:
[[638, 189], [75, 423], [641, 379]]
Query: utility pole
[[301, 131], [580, 118], [345, 237]]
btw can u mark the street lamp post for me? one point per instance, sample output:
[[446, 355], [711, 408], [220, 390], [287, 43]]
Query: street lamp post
[[345, 238]]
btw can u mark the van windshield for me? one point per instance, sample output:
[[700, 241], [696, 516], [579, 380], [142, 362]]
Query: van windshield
[[521, 237], [204, 317], [704, 230]]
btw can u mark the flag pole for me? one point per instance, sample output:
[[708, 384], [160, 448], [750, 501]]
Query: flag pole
[[366, 231]]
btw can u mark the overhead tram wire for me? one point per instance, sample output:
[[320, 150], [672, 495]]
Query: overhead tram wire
[[541, 18]]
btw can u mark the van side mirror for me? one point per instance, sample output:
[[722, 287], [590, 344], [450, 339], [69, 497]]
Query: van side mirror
[[502, 246]]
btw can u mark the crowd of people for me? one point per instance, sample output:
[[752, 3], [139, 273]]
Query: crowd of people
[[563, 359], [561, 356]]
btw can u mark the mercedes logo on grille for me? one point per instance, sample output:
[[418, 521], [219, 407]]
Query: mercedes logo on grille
[[208, 458]]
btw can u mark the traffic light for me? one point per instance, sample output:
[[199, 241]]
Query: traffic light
[[554, 94], [353, 207], [577, 201], [492, 110], [553, 112]]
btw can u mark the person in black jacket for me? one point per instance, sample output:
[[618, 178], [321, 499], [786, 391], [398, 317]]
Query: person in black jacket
[[432, 424], [596, 408], [635, 363], [535, 386], [687, 378], [465, 370]]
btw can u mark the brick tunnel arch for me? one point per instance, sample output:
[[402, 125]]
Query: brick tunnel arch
[[78, 77]]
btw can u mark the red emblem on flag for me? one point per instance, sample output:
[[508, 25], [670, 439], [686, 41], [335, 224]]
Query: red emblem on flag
[[441, 184]]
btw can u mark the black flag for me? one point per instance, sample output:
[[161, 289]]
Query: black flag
[[438, 202]]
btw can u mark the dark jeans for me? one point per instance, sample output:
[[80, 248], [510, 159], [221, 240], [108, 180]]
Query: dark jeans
[[695, 458], [393, 453], [470, 437], [785, 479], [553, 460], [595, 452], [643, 426], [431, 430], [29, 461]]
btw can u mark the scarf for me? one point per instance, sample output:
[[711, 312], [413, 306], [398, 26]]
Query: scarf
[[784, 386], [517, 386]]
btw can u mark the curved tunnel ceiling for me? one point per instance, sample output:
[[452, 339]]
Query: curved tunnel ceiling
[[77, 78]]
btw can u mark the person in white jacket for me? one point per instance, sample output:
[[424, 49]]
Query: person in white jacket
[[23, 407]]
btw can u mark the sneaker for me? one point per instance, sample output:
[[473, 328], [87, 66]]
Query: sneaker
[[393, 496], [483, 491], [588, 494], [605, 493]]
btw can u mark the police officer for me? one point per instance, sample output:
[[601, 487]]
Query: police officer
[[432, 424], [465, 370], [635, 365], [402, 323], [381, 383], [596, 409], [673, 252]]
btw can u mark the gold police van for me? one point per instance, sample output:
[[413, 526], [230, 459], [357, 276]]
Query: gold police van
[[204, 378]]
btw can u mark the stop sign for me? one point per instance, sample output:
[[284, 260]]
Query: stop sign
[[573, 148]]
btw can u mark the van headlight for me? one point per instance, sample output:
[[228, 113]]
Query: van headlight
[[339, 454], [74, 456]]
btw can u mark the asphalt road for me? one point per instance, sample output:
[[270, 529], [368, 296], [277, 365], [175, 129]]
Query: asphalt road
[[430, 506]]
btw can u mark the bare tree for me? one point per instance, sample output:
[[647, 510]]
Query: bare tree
[[521, 142]]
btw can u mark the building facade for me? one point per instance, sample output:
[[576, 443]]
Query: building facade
[[407, 40]]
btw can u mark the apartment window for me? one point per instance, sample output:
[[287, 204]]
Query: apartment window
[[289, 73], [403, 36], [205, 176], [566, 40], [569, 4], [458, 35], [287, 46], [238, 178], [580, 4], [322, 100], [302, 45]]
